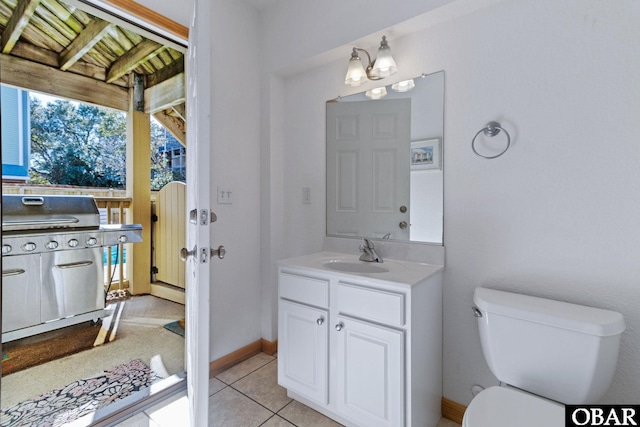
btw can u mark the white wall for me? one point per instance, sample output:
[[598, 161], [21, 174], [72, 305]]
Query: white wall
[[235, 164], [557, 215]]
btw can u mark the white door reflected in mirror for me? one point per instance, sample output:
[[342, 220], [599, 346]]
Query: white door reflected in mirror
[[375, 187]]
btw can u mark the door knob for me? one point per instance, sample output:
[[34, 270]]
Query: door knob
[[220, 252], [186, 253], [320, 321], [403, 224]]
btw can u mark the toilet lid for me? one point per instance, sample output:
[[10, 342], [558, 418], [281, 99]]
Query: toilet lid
[[507, 407]]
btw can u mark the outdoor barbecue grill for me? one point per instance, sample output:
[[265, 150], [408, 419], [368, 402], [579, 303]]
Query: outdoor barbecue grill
[[52, 262]]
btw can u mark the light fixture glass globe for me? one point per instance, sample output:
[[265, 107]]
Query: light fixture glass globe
[[377, 93], [356, 75], [385, 65], [403, 86]]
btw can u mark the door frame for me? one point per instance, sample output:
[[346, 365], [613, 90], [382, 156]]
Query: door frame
[[197, 306]]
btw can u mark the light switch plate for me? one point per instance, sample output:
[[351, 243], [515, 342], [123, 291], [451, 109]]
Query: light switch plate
[[225, 196]]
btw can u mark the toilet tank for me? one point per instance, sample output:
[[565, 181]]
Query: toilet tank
[[561, 351]]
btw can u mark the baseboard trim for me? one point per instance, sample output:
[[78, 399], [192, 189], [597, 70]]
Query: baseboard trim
[[452, 410], [225, 362], [269, 347]]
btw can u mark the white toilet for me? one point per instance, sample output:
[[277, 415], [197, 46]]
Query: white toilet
[[546, 353]]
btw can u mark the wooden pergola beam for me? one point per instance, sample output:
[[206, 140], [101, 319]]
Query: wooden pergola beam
[[15, 26], [88, 38], [142, 52], [165, 73], [174, 125], [165, 95], [41, 78], [138, 187]]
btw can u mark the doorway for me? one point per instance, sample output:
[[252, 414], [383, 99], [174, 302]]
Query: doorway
[[111, 95]]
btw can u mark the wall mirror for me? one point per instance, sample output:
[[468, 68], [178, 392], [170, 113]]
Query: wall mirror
[[385, 164]]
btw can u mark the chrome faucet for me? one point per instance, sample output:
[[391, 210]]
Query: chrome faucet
[[369, 252]]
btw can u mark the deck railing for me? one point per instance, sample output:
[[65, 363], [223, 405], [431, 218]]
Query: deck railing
[[114, 209]]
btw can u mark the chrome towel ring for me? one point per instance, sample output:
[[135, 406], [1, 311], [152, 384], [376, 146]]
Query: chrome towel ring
[[491, 130]]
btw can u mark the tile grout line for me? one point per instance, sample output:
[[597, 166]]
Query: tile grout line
[[273, 413], [286, 419], [276, 415], [252, 399]]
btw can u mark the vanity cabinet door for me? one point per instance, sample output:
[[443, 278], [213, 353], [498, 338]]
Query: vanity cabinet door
[[303, 350], [370, 378]]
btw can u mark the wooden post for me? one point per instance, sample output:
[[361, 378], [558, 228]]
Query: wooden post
[[139, 189]]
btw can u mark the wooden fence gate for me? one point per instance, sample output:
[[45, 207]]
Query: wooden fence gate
[[169, 238]]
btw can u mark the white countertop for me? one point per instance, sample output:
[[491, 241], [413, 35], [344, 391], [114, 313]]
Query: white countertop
[[400, 272]]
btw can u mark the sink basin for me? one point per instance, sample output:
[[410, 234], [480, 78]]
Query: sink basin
[[355, 267]]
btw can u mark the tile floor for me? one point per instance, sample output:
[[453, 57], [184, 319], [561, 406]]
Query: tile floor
[[246, 395]]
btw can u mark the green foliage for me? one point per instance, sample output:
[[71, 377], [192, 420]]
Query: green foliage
[[161, 173], [84, 145]]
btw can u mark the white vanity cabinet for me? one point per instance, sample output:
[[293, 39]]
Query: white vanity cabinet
[[362, 351], [370, 373]]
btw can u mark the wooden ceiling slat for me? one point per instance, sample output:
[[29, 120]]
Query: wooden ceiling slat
[[48, 30], [121, 38], [166, 58], [174, 54], [64, 14], [91, 35], [146, 68], [112, 46], [47, 57], [133, 37], [157, 63], [19, 20], [133, 58], [109, 50], [61, 26], [30, 34]]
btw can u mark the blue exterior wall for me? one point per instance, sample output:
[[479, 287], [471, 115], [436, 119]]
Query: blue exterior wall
[[16, 135]]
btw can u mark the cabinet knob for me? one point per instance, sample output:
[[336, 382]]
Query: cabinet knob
[[320, 321], [339, 326]]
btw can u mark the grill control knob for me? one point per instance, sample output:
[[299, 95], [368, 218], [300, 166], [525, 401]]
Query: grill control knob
[[123, 239], [29, 246], [91, 241], [6, 249], [52, 245], [72, 243]]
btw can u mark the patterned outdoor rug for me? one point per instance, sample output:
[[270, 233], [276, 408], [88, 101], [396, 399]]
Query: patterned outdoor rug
[[79, 398]]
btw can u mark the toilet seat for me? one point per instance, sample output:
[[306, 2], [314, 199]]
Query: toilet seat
[[508, 407]]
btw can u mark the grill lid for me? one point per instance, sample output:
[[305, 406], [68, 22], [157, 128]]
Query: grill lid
[[31, 212]]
